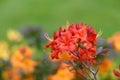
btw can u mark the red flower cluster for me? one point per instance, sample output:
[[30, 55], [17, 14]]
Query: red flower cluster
[[79, 40]]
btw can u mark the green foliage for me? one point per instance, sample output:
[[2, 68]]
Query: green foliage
[[102, 14]]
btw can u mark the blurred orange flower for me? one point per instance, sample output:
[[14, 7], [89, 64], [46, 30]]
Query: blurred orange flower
[[105, 66], [63, 73], [14, 74], [29, 77], [11, 74], [64, 56], [26, 51], [21, 59], [115, 40]]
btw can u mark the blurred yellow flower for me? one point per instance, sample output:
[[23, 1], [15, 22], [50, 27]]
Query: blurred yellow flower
[[63, 73], [22, 59], [14, 35], [115, 40], [4, 52]]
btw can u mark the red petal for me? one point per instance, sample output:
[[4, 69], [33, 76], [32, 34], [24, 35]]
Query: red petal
[[48, 45], [116, 73]]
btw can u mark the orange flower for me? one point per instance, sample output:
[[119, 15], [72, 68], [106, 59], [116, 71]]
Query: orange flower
[[11, 74], [115, 39], [64, 56], [21, 60], [105, 66], [29, 77], [26, 51], [63, 73]]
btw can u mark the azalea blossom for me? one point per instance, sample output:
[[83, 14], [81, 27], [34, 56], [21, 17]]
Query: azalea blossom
[[79, 40]]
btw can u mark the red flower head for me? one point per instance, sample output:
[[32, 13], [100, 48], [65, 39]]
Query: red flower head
[[79, 40]]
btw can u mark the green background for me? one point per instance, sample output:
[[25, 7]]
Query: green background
[[51, 14]]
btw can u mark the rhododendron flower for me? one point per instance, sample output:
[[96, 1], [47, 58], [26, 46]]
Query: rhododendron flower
[[79, 40]]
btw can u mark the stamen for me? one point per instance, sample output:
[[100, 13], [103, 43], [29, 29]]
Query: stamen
[[67, 24], [99, 33], [47, 37]]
